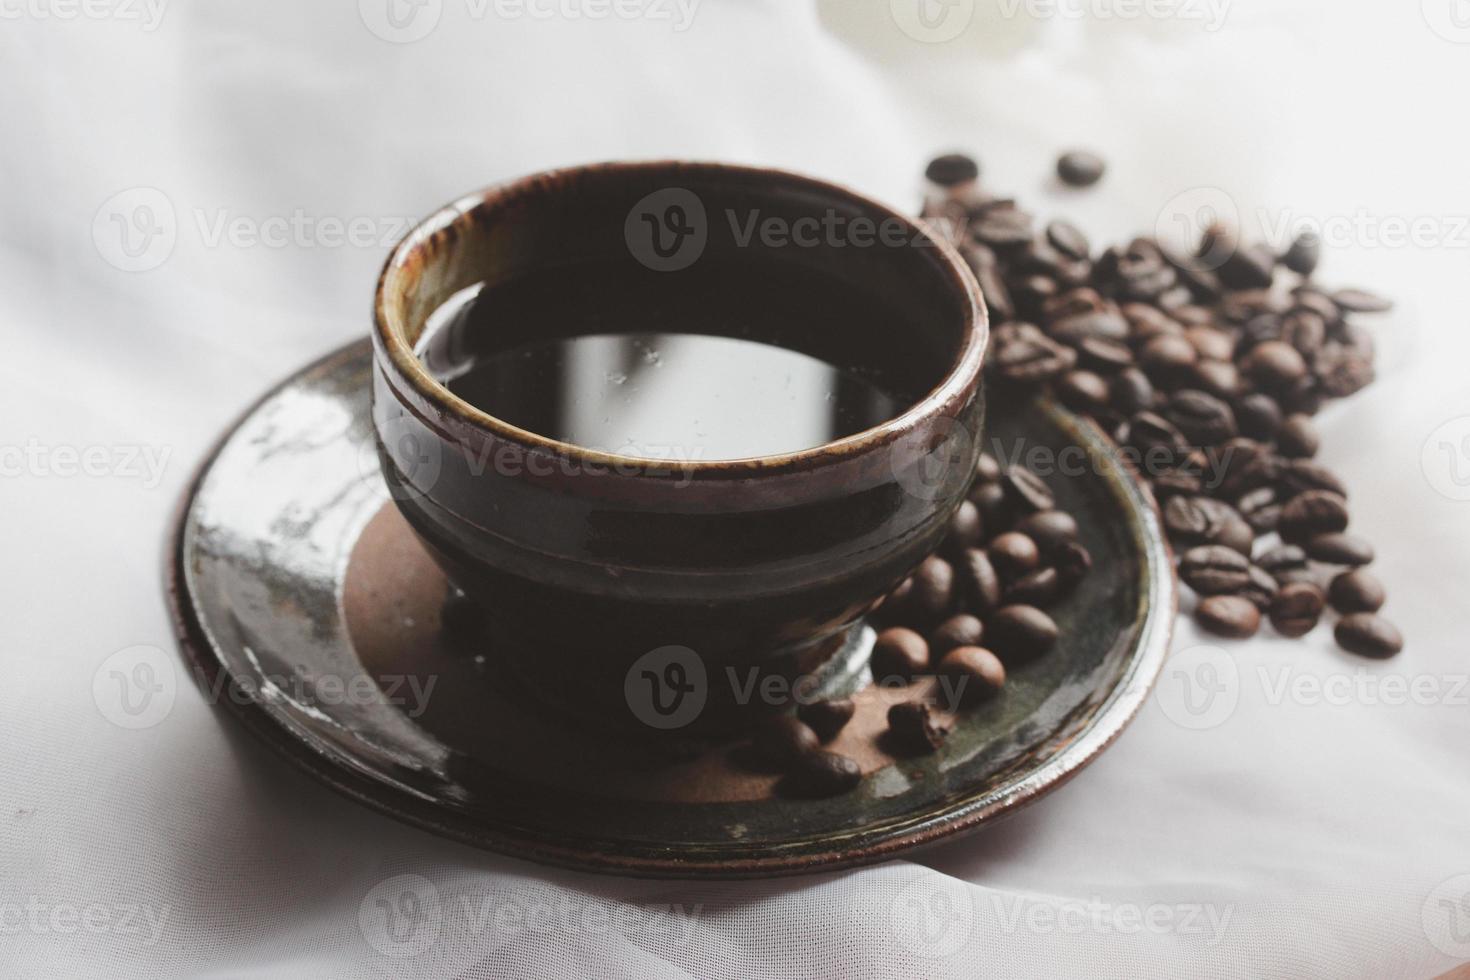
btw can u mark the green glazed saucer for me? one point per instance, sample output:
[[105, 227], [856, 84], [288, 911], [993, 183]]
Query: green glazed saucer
[[307, 610]]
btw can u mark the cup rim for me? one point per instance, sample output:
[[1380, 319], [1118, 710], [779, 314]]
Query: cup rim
[[963, 374]]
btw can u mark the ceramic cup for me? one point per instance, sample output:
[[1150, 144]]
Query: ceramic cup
[[712, 585]]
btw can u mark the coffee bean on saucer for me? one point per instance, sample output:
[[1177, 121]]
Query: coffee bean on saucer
[[779, 741], [1368, 635], [1356, 591], [982, 672], [978, 581], [827, 718], [1079, 168], [963, 630], [933, 588], [1298, 437], [820, 774], [1050, 529], [1037, 588], [1026, 491], [1072, 562], [1339, 549], [1296, 609], [1312, 513], [1228, 615], [899, 652], [952, 170], [913, 728], [1213, 569], [1013, 554], [995, 509], [1303, 254], [1020, 633]]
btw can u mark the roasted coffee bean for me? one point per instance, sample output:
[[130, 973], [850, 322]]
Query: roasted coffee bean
[[1368, 635], [1072, 562], [1229, 616], [1312, 513], [1020, 633], [952, 170], [1210, 343], [1212, 569], [1296, 609], [963, 630], [978, 581], [1130, 392], [981, 671], [1361, 301], [1169, 484], [1283, 558], [1030, 356], [1339, 549], [1218, 378], [1197, 520], [1167, 357], [899, 652], [913, 728], [1203, 419], [1344, 373], [1013, 554], [1298, 437], [933, 588], [1068, 240], [1147, 322], [1303, 254], [1300, 475], [1092, 324], [780, 741], [966, 528], [821, 774], [1239, 465], [1000, 227], [1104, 356], [1050, 529], [1026, 491], [1356, 591], [1303, 398], [997, 294], [1079, 168], [1036, 588], [1260, 509], [827, 718], [1304, 330], [1260, 588], [1158, 442], [1082, 391], [987, 470], [1274, 365], [1248, 268], [1258, 416]]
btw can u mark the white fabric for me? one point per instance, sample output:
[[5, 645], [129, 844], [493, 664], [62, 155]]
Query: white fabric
[[1290, 835]]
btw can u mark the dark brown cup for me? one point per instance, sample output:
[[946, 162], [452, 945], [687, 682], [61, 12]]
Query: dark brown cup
[[597, 571]]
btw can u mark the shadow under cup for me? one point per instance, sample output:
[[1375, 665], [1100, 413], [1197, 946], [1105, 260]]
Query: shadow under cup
[[719, 582]]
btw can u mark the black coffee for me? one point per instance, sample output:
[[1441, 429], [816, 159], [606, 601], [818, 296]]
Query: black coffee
[[725, 362]]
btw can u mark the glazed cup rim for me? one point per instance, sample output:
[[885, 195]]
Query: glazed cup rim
[[962, 375]]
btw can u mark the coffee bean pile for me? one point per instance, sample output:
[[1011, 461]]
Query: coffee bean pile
[[969, 612], [1206, 369]]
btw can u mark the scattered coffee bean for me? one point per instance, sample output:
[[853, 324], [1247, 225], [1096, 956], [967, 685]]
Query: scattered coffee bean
[[1258, 416], [1213, 569], [966, 527], [1304, 254], [995, 510], [952, 170], [1020, 633], [820, 774], [827, 718], [1296, 609], [1356, 591], [963, 630], [914, 729], [1072, 562], [1368, 635], [982, 672], [1298, 437], [987, 470], [1080, 168], [1260, 509], [978, 581], [781, 740], [1228, 616], [1275, 365], [1050, 529], [1260, 588], [1301, 475], [899, 652], [1037, 588], [1339, 549], [933, 588], [1013, 554], [1068, 240], [1312, 513], [1026, 492], [1360, 301]]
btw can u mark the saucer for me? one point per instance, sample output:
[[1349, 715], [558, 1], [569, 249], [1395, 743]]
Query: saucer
[[307, 609]]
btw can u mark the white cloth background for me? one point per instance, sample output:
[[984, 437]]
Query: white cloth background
[[1277, 833]]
